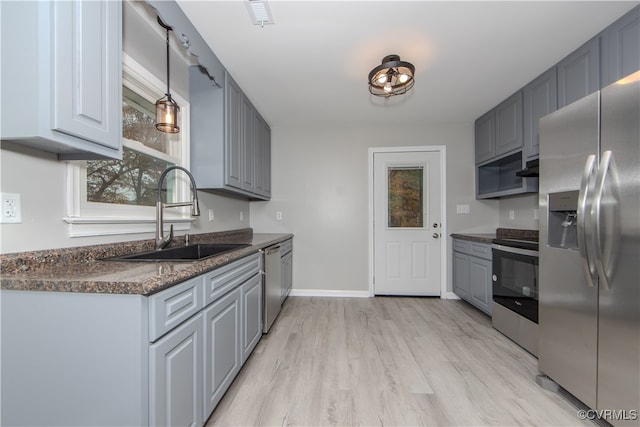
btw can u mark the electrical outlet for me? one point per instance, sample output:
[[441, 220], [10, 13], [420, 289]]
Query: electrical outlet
[[278, 216], [512, 214], [211, 217], [11, 208], [241, 216], [536, 214], [462, 209]]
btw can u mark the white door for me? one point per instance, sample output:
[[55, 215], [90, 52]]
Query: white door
[[407, 223]]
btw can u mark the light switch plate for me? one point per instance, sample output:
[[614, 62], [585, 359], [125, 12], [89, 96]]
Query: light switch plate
[[11, 208]]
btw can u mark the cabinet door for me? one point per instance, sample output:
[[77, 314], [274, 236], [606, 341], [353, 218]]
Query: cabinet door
[[233, 134], [249, 147], [540, 98], [461, 275], [263, 156], [484, 137], [621, 48], [175, 377], [480, 284], [579, 73], [222, 348], [251, 315], [508, 125], [87, 91]]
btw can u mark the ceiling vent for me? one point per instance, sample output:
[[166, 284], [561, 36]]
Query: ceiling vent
[[259, 12]]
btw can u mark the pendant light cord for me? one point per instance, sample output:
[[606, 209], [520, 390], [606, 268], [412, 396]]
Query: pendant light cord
[[168, 79]]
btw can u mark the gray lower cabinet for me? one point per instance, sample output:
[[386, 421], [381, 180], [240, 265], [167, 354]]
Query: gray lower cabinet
[[472, 272], [175, 380], [222, 326], [79, 359], [252, 315], [61, 83]]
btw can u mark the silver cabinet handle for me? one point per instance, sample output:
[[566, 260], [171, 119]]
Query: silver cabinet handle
[[584, 229], [604, 266]]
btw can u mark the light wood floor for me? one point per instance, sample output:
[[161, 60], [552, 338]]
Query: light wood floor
[[388, 361]]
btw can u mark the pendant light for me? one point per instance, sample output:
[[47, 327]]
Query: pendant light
[[392, 77], [167, 110]]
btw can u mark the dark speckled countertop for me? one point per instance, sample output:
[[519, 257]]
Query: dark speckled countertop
[[82, 270], [501, 233]]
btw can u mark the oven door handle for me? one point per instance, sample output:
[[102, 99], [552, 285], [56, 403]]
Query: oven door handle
[[511, 249], [585, 236]]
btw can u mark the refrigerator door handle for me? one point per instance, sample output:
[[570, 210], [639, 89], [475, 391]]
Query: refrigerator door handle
[[606, 256], [585, 236]]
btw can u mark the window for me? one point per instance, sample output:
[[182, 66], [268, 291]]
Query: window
[[406, 197], [119, 196]]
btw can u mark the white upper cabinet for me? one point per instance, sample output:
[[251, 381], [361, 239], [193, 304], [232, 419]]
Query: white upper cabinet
[[62, 77]]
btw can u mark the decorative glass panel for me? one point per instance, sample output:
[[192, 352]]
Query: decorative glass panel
[[405, 197]]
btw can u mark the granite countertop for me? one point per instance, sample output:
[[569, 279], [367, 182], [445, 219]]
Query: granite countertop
[[82, 270], [475, 237], [501, 233]]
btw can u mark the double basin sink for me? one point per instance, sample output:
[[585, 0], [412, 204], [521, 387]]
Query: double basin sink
[[181, 253]]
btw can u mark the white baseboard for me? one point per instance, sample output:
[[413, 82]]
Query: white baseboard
[[451, 295], [328, 293]]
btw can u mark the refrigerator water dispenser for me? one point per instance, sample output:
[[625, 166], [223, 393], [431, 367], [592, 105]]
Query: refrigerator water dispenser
[[563, 220]]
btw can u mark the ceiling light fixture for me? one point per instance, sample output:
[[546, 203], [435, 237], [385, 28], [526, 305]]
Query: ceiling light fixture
[[167, 110], [392, 77]]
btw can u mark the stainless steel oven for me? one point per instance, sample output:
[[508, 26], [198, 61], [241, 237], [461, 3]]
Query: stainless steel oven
[[515, 291], [515, 280]]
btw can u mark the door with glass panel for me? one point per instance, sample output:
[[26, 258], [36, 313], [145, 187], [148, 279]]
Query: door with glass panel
[[407, 250]]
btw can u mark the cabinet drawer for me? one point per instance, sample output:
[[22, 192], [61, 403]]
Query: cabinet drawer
[[169, 308], [286, 246], [463, 246], [222, 280], [480, 250]]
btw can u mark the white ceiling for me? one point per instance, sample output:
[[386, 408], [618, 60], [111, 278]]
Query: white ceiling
[[311, 67]]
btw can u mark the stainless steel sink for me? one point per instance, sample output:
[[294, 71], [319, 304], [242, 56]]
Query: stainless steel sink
[[181, 253]]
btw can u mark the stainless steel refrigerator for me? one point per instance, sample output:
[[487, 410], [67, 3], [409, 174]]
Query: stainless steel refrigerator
[[589, 290]]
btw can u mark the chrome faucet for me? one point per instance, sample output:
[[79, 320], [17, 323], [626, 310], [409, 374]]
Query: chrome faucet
[[161, 240]]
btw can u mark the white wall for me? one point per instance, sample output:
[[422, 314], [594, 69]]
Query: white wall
[[523, 208], [40, 178], [320, 184]]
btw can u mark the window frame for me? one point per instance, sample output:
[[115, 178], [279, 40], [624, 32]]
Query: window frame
[[95, 219]]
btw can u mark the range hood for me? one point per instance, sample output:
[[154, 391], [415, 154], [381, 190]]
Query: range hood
[[530, 170]]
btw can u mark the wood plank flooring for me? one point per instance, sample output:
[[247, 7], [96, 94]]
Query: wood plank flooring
[[388, 361]]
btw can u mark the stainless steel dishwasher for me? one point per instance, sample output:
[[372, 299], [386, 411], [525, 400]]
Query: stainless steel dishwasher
[[272, 286]]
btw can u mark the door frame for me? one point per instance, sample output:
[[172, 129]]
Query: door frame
[[442, 150]]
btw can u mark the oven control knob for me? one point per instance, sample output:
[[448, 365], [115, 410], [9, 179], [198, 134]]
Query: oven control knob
[[495, 278]]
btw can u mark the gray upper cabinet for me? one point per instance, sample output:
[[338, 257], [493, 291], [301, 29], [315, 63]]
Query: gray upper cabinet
[[579, 73], [230, 141], [61, 83], [621, 47], [484, 135], [500, 130], [234, 135], [539, 98], [263, 156], [509, 124]]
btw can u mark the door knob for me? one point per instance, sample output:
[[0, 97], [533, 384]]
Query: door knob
[[435, 225], [436, 235]]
